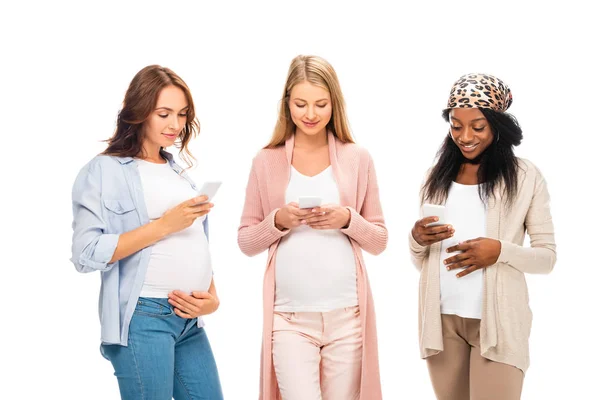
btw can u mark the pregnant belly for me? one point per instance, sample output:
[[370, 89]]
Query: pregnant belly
[[178, 266]]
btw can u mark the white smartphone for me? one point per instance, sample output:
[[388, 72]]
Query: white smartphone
[[309, 201], [434, 210], [209, 189]]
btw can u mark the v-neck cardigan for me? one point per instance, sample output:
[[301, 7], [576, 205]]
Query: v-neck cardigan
[[506, 316], [265, 194]]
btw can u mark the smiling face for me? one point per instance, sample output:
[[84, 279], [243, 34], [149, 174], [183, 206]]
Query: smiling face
[[470, 131], [310, 108], [166, 121]]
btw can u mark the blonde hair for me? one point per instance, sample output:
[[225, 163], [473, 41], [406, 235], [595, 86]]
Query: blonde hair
[[318, 72]]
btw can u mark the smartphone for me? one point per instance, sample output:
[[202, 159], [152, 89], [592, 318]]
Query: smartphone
[[209, 189], [309, 201], [434, 210]]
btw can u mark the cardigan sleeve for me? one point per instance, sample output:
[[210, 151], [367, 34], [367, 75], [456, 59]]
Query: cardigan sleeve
[[256, 232], [541, 256], [367, 228], [417, 252]]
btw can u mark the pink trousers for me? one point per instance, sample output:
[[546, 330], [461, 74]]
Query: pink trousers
[[317, 356]]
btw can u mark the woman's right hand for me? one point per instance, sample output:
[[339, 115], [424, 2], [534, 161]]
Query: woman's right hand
[[428, 235], [183, 215], [291, 216]]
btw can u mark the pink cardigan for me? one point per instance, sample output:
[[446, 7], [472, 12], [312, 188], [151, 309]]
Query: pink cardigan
[[265, 195]]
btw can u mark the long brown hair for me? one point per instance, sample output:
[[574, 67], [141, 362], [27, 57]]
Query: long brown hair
[[319, 72], [140, 100]]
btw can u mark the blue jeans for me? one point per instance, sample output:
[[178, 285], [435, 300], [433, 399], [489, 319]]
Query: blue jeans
[[166, 356]]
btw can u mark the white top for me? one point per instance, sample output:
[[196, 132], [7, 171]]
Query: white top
[[315, 270], [180, 261], [467, 214]]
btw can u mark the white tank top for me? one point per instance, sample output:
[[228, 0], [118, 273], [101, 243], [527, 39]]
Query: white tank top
[[315, 270], [180, 261], [467, 214]]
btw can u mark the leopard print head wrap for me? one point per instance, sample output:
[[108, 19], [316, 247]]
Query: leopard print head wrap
[[480, 91]]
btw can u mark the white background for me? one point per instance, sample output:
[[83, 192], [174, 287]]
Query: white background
[[65, 69]]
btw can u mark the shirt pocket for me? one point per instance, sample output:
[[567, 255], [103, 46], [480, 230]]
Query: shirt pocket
[[120, 214]]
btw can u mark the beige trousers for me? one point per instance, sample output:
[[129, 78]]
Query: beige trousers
[[318, 356], [461, 373]]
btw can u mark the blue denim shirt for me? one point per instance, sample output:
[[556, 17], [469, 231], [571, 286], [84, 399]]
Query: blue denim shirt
[[108, 200]]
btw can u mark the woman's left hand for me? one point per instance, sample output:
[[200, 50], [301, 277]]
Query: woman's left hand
[[475, 254], [329, 216], [196, 305]]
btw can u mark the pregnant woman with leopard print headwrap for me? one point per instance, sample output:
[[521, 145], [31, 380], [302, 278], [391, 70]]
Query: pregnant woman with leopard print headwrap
[[474, 316]]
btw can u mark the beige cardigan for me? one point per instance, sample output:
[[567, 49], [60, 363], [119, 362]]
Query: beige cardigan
[[506, 316]]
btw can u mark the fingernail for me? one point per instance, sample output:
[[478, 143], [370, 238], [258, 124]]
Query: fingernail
[[323, 213], [436, 219], [313, 210], [448, 268], [303, 222]]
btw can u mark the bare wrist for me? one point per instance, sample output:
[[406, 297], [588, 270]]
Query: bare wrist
[[278, 226], [161, 228], [412, 233], [348, 220]]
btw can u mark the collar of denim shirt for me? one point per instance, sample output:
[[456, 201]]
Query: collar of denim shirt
[[165, 154]]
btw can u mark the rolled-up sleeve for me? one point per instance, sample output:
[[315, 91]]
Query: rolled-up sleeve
[[92, 247]]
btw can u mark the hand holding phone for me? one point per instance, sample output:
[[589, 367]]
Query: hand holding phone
[[427, 233]]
